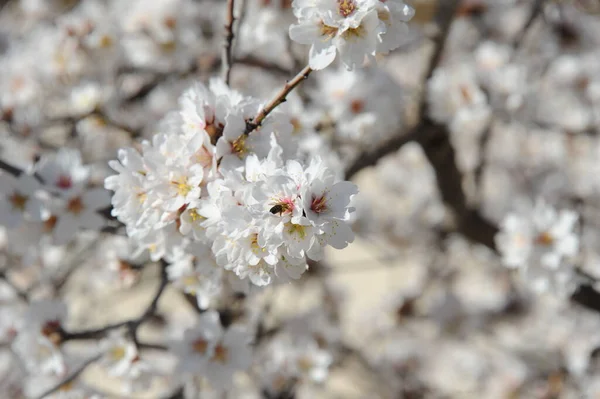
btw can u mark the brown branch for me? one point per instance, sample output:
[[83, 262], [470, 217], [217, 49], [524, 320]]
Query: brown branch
[[133, 324], [70, 378], [262, 64], [10, 169], [229, 35], [280, 98], [536, 10], [435, 140], [444, 17], [20, 293]]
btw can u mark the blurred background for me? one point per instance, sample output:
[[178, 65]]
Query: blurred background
[[489, 107]]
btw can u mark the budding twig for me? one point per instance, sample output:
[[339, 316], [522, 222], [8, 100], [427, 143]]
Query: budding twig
[[280, 97], [229, 35]]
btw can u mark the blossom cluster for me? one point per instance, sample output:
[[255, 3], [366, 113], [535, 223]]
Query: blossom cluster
[[206, 180], [356, 29], [51, 202], [541, 243]]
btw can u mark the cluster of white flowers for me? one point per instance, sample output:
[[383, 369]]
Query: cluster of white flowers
[[206, 180], [227, 197], [52, 202], [356, 29], [39, 337], [541, 243], [209, 350]]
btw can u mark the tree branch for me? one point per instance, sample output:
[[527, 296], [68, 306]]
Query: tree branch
[[71, 377], [20, 293], [536, 10], [280, 98], [133, 324], [229, 35], [444, 17]]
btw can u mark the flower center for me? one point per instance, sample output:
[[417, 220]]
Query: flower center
[[319, 204], [297, 230], [357, 106], [51, 330], [18, 201], [346, 7], [50, 223], [221, 354], [195, 216], [64, 182], [328, 31], [305, 364], [183, 188], [200, 346], [105, 41], [117, 353], [354, 33], [545, 239], [75, 205]]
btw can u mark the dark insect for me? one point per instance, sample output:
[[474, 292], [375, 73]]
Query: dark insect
[[277, 209]]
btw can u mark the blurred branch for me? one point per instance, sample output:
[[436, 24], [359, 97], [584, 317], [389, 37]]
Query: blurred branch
[[229, 35], [70, 378], [536, 10], [267, 66], [587, 296], [20, 293], [133, 324], [435, 140], [444, 17], [10, 169]]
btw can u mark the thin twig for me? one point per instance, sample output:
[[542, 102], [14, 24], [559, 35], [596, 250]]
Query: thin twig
[[10, 169], [20, 293], [133, 324], [279, 98], [229, 35], [536, 10], [262, 64], [71, 377]]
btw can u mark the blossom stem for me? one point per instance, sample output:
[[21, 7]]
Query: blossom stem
[[279, 98], [9, 168], [229, 35]]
